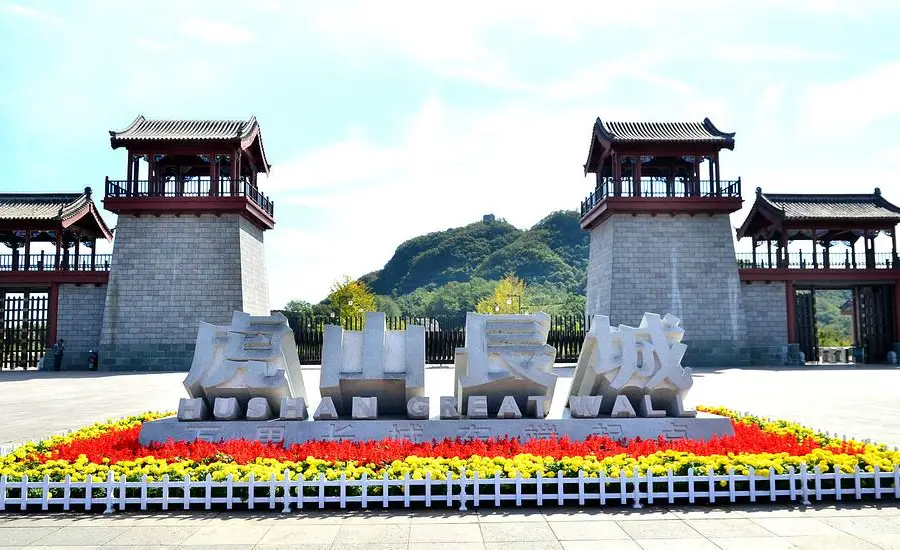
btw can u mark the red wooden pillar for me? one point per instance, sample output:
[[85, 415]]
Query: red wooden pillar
[[897, 312], [94, 254], [636, 176], [27, 250], [52, 313], [58, 248], [77, 251], [718, 181], [129, 181], [815, 258], [617, 175], [791, 311]]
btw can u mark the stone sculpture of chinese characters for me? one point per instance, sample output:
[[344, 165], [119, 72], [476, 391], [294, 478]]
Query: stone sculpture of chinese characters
[[244, 370], [388, 365], [506, 355], [635, 371]]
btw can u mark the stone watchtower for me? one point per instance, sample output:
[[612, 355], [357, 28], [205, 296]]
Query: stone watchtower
[[661, 240], [189, 240]]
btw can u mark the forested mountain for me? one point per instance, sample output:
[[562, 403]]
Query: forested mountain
[[554, 251]]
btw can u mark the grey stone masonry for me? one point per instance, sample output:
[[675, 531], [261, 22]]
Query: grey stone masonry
[[765, 311], [79, 318], [680, 264], [254, 279], [170, 272]]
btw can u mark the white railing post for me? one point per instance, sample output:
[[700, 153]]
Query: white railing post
[[322, 490], [896, 482], [670, 484], [364, 490], [251, 491], [229, 491], [857, 482], [817, 482], [691, 485], [144, 492], [89, 492], [300, 496], [792, 477], [518, 489], [560, 488], [286, 487], [602, 479], [123, 491], [731, 496], [186, 504], [838, 489], [272, 481], [637, 488], [406, 490], [384, 489], [45, 493], [23, 492], [427, 490], [2, 492], [496, 489], [342, 491], [804, 491], [462, 489], [165, 492], [772, 485], [110, 487], [752, 483], [877, 482], [711, 483], [207, 489], [540, 487], [67, 493], [476, 490], [581, 487]]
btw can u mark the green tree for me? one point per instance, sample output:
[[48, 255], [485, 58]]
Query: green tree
[[350, 298], [506, 298], [387, 305], [300, 307]]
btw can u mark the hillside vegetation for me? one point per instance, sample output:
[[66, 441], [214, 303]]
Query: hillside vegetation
[[554, 252]]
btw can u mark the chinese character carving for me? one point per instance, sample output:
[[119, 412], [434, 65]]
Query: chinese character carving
[[253, 357], [374, 362], [505, 355], [641, 363]]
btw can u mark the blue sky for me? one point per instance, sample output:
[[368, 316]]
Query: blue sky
[[385, 120]]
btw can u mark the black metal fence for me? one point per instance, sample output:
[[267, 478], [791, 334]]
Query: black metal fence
[[25, 329], [442, 335]]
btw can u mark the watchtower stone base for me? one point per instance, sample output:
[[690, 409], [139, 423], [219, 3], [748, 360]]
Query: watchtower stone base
[[170, 272], [682, 264]]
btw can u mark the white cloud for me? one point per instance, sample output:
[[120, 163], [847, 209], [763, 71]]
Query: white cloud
[[768, 52], [33, 13], [855, 104], [148, 44], [216, 32], [451, 167]]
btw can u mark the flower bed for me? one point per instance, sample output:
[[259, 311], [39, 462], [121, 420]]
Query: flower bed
[[758, 444]]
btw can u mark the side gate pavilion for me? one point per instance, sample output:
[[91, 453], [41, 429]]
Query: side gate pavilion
[[841, 232], [660, 240], [52, 280]]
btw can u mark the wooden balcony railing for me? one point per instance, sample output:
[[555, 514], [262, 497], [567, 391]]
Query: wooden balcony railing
[[661, 188], [805, 260], [189, 188], [47, 262]]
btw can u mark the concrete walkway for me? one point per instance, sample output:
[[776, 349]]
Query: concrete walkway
[[698, 528], [856, 401]]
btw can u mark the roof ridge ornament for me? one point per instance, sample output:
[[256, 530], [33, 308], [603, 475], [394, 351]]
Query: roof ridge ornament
[[759, 191], [877, 191]]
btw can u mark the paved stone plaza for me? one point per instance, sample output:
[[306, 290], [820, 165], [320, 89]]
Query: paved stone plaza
[[856, 401]]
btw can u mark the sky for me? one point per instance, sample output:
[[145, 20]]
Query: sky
[[387, 120]]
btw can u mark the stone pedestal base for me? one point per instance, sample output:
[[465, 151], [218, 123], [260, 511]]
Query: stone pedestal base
[[289, 432]]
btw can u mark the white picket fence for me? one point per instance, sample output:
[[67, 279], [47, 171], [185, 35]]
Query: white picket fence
[[114, 492]]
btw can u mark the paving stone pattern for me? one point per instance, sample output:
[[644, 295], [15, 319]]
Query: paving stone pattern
[[858, 526], [684, 265], [79, 318], [168, 273]]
